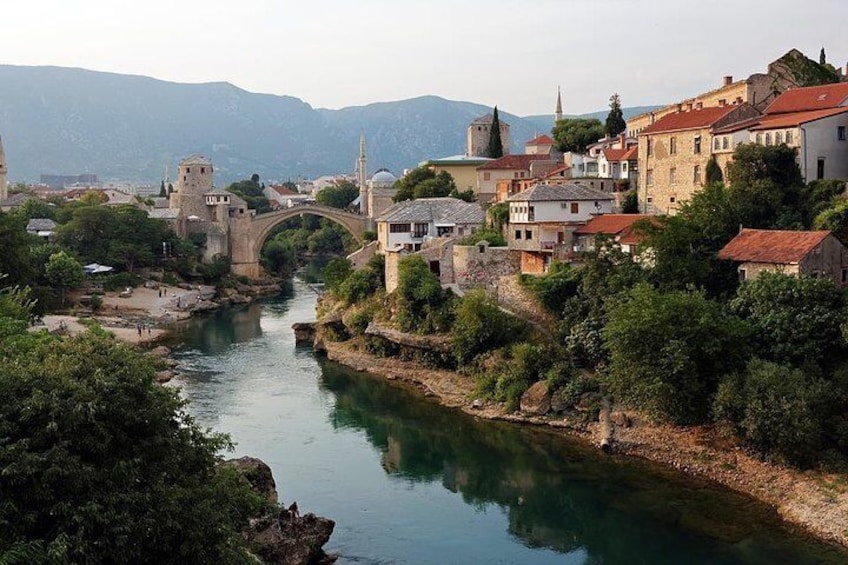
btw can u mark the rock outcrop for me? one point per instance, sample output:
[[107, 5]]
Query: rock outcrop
[[536, 400]]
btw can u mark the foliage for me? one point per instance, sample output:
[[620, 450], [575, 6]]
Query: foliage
[[339, 195], [574, 134], [423, 182], [753, 162], [615, 123], [777, 410], [631, 203], [667, 351], [101, 465], [498, 215], [16, 260], [835, 219], [369, 235], [494, 237], [713, 172], [795, 320], [36, 208], [480, 326], [495, 149], [335, 273], [64, 272], [120, 281], [278, 256], [253, 192], [421, 304], [805, 71], [214, 270], [555, 287]]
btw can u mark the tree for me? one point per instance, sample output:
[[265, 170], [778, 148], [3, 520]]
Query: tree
[[615, 123], [822, 57], [480, 326], [102, 465], [16, 260], [422, 305], [423, 182], [64, 272], [668, 350], [795, 320], [163, 193], [278, 256], [498, 215], [834, 219], [713, 172], [339, 195], [631, 203], [574, 134], [753, 162], [495, 149], [491, 235], [252, 192], [335, 273]]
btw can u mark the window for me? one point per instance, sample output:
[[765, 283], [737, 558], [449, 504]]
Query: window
[[789, 136], [743, 274], [820, 168], [724, 142], [840, 133], [487, 176], [188, 169], [202, 170], [575, 208], [778, 138], [716, 144], [697, 145], [650, 148], [421, 230], [759, 139], [844, 276], [399, 228], [672, 176], [650, 199], [517, 234], [672, 146], [672, 199], [531, 214], [624, 166], [696, 174], [528, 235], [768, 138], [649, 177]]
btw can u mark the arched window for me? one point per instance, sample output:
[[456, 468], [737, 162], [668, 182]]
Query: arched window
[[759, 139], [778, 138], [768, 138]]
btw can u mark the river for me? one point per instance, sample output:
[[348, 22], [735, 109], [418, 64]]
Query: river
[[409, 481]]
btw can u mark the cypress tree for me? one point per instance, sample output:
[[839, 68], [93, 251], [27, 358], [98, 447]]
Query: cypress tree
[[162, 193], [615, 119], [495, 148], [822, 57], [713, 173]]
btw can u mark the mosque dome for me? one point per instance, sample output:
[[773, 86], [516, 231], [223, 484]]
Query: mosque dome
[[383, 177]]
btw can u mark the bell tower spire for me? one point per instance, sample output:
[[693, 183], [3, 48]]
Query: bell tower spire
[[558, 111]]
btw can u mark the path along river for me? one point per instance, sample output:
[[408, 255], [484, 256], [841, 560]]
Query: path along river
[[408, 481]]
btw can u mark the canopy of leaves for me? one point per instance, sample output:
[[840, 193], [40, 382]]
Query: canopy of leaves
[[480, 326], [339, 195], [494, 237], [278, 256], [615, 123], [253, 192], [668, 350], [574, 134], [422, 305], [423, 182]]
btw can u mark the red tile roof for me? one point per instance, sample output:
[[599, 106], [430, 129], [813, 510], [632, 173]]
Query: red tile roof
[[613, 154], [794, 119], [283, 190], [772, 246], [541, 140], [519, 162], [810, 98], [609, 224], [558, 172], [693, 119], [631, 154]]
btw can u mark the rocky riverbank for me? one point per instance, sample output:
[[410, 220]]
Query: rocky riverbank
[[812, 500]]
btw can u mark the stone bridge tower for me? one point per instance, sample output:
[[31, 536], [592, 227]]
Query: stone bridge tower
[[193, 182], [4, 181]]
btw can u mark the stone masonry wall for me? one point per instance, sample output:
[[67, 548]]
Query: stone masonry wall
[[482, 266]]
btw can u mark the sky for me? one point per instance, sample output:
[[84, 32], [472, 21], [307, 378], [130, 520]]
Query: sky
[[513, 53]]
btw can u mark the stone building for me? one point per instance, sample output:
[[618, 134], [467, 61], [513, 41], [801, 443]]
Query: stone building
[[810, 253], [462, 168], [410, 223], [478, 133], [193, 183], [380, 193], [511, 168], [674, 151], [4, 181]]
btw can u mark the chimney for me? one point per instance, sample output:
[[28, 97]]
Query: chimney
[[622, 137], [699, 105], [680, 107], [728, 80]]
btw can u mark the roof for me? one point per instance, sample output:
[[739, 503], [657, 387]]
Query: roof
[[693, 119], [163, 213], [609, 224], [283, 190], [218, 192], [521, 162], [795, 118], [383, 176], [458, 160], [631, 154], [614, 154], [195, 160], [541, 140], [436, 210], [772, 246], [559, 171], [41, 224], [15, 199], [810, 98], [486, 120], [558, 193]]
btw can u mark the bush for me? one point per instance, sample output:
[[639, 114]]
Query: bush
[[480, 326], [555, 287], [120, 281], [493, 236], [335, 272], [421, 304]]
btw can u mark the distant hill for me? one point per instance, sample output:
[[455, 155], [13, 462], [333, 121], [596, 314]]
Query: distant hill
[[545, 119], [64, 120]]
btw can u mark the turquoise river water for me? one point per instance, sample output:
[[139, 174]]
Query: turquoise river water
[[409, 481]]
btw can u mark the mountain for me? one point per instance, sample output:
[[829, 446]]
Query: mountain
[[64, 120]]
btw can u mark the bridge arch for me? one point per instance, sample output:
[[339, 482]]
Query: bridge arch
[[245, 251]]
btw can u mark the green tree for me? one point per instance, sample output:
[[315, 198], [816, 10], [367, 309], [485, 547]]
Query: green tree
[[278, 256], [834, 219], [615, 123], [494, 237], [574, 134], [795, 320], [822, 57], [753, 162], [480, 326], [423, 182], [631, 203], [495, 149], [102, 465], [163, 192], [64, 272], [498, 215], [16, 259], [421, 304], [253, 192], [339, 195], [668, 350], [713, 172], [335, 273]]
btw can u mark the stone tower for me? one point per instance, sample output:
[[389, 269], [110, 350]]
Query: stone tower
[[477, 139], [558, 111], [194, 181], [362, 176], [4, 190]]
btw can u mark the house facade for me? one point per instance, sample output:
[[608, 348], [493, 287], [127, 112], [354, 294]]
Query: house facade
[[810, 253], [617, 227], [510, 168], [407, 225], [462, 168]]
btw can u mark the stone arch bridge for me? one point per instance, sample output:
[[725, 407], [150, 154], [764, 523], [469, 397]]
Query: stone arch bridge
[[248, 233]]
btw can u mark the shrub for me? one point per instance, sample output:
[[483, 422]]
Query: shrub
[[480, 326], [493, 236], [120, 281]]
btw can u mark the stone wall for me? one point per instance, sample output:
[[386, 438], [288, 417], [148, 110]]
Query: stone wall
[[482, 266], [359, 258]]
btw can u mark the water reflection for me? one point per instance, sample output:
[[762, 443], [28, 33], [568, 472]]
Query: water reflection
[[559, 494]]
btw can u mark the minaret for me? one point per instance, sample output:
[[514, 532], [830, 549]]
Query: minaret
[[4, 192], [558, 113], [362, 176]]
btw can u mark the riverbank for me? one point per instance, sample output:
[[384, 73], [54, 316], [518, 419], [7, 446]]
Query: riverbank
[[814, 501]]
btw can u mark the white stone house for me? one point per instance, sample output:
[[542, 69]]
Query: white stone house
[[407, 225]]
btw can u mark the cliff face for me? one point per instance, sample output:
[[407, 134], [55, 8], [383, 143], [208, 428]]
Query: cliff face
[[796, 68]]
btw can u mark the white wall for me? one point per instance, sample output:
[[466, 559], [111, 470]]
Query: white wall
[[559, 211], [820, 140]]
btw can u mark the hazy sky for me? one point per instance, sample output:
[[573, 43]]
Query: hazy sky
[[335, 53]]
